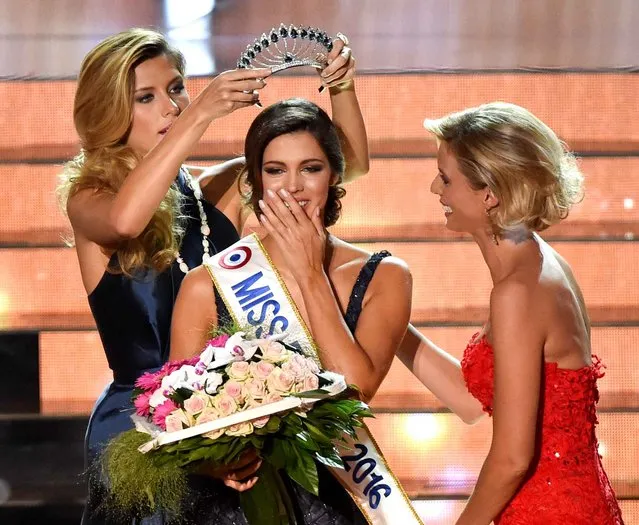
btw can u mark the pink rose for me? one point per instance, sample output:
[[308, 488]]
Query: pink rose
[[295, 369], [225, 404], [261, 421], [162, 411], [241, 429], [141, 403], [207, 415], [255, 389], [310, 382], [280, 381], [194, 404], [234, 389], [173, 422], [213, 434], [210, 414], [261, 370], [188, 420], [272, 351], [311, 366], [272, 397], [238, 370]]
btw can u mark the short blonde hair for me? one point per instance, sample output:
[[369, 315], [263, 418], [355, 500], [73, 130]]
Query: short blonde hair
[[505, 148], [103, 116]]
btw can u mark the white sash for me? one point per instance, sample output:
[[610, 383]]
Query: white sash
[[255, 294]]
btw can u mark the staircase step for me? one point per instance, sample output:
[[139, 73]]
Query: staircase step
[[68, 390], [615, 346], [438, 511], [433, 455], [439, 455], [446, 511], [42, 286], [599, 122], [392, 202], [452, 284]]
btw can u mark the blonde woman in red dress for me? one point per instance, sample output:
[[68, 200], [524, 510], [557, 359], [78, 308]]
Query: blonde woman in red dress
[[503, 176]]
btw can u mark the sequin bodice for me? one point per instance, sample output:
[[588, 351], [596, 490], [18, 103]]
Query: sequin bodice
[[566, 483]]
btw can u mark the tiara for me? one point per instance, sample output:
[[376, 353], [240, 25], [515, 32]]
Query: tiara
[[288, 46]]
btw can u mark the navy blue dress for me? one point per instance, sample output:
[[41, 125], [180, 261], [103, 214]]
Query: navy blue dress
[[133, 317], [216, 504]]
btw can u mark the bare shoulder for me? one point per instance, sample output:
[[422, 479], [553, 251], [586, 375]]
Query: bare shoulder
[[512, 295], [84, 200], [352, 259], [197, 285]]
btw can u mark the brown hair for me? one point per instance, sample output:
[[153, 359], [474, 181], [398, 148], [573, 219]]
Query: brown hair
[[291, 116]]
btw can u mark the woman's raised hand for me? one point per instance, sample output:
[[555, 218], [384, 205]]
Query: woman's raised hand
[[341, 64], [231, 90], [301, 239]]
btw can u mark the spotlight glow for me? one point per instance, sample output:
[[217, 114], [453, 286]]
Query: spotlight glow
[[602, 449], [421, 428]]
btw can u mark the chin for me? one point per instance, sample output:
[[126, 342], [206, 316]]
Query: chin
[[450, 225]]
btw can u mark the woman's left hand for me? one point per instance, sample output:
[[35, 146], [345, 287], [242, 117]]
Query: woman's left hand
[[301, 239], [341, 64]]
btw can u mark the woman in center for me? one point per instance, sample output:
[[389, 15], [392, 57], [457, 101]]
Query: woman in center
[[356, 305]]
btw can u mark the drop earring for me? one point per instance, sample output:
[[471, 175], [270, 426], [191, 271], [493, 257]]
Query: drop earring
[[492, 228]]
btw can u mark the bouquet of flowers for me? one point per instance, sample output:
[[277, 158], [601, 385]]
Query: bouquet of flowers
[[241, 392]]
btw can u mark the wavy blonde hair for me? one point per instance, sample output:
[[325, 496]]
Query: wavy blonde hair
[[103, 115], [521, 160]]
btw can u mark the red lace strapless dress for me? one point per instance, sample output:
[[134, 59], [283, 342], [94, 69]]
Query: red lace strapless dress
[[567, 484]]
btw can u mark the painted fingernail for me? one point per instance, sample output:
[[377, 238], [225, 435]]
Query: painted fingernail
[[270, 193], [283, 192], [260, 203], [258, 104], [321, 88]]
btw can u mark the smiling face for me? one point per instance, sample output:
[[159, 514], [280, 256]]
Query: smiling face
[[464, 207], [297, 163], [160, 96]]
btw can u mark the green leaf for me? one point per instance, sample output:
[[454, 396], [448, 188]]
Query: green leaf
[[316, 433], [319, 393], [330, 458], [305, 439], [278, 453], [266, 502], [304, 471]]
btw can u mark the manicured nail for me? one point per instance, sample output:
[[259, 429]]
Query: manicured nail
[[321, 88], [270, 193], [283, 192], [260, 203]]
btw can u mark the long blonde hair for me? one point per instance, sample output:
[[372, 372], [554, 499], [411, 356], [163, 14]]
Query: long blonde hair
[[507, 149], [103, 115]]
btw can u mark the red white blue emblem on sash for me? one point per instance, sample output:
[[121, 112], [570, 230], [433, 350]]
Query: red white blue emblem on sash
[[236, 258]]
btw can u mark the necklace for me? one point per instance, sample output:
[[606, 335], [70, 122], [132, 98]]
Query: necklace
[[192, 183]]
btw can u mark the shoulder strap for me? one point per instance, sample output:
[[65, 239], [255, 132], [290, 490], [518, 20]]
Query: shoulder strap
[[364, 278]]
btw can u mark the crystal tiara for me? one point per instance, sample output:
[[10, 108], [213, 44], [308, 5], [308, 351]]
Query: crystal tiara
[[287, 46]]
